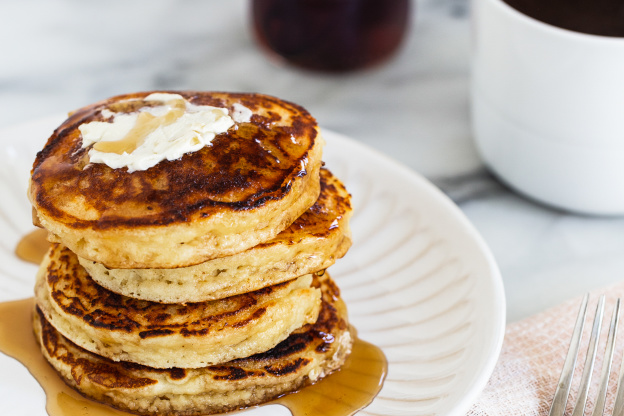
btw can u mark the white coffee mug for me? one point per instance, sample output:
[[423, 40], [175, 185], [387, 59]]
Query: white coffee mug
[[548, 109]]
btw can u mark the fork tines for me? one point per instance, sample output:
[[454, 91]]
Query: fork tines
[[563, 387]]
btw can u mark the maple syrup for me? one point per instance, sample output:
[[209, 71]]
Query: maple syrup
[[342, 393], [17, 340], [146, 123], [33, 246], [346, 391]]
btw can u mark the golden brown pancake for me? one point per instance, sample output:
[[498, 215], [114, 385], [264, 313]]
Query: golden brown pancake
[[312, 243], [176, 335], [243, 189], [305, 356]]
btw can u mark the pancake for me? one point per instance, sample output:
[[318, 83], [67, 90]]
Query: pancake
[[246, 186], [312, 243], [307, 355], [163, 336]]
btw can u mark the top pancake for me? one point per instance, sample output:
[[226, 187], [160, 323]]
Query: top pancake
[[244, 188]]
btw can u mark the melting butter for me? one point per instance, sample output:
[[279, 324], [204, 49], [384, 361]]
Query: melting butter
[[167, 131], [146, 123]]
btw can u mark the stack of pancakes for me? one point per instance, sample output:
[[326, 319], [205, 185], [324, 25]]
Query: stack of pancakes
[[196, 286]]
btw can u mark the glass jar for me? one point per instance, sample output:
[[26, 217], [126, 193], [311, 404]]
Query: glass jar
[[331, 35]]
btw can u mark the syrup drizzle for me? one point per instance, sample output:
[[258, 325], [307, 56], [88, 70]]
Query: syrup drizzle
[[33, 246], [346, 391], [145, 124], [18, 341], [342, 393]]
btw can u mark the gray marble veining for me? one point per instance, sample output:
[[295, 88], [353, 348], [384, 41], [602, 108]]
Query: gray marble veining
[[58, 55]]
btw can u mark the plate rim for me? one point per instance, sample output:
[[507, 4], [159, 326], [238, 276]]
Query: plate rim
[[495, 278], [462, 405]]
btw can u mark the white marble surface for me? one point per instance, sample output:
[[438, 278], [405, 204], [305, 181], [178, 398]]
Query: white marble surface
[[58, 55]]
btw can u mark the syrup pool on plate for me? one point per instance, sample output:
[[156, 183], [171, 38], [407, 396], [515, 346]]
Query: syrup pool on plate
[[33, 246], [342, 393]]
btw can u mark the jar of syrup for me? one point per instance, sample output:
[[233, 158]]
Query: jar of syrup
[[331, 35]]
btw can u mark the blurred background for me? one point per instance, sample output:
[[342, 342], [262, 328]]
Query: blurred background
[[62, 54], [59, 55]]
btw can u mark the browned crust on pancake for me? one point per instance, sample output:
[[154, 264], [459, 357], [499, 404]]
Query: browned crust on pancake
[[243, 189], [312, 243], [275, 372], [318, 336], [330, 206], [243, 169], [73, 290]]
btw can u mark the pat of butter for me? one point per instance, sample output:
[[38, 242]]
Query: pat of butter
[[144, 138]]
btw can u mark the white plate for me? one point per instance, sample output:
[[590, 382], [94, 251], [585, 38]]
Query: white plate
[[419, 281]]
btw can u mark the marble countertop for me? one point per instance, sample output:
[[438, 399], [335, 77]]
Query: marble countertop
[[58, 55]]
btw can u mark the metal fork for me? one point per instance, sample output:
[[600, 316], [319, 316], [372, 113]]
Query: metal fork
[[563, 387]]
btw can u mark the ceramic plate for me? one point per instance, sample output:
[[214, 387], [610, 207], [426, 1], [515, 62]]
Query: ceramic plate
[[419, 281]]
